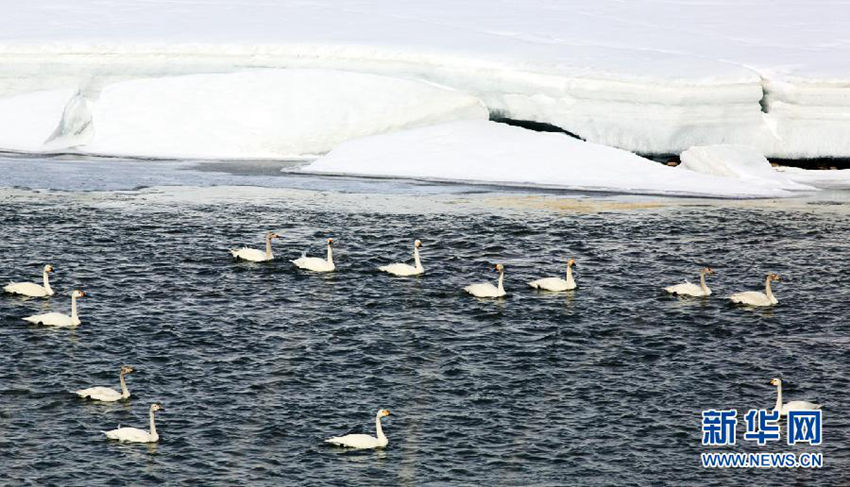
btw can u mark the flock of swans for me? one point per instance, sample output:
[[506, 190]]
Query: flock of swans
[[317, 264]]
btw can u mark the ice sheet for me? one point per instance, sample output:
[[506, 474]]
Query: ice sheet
[[483, 151], [253, 114], [651, 76], [737, 162]]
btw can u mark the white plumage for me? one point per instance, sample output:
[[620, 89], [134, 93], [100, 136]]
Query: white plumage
[[255, 255], [32, 289], [317, 264], [755, 298], [361, 441], [136, 435], [107, 394], [59, 319], [790, 405], [404, 270], [689, 289], [556, 284], [487, 290]]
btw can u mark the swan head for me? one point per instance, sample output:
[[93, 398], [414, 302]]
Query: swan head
[[776, 382], [48, 268], [78, 294], [126, 369], [774, 277], [707, 270], [499, 268], [272, 235], [156, 407], [571, 262], [330, 241], [383, 412], [417, 244]]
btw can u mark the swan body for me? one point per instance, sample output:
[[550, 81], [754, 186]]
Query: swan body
[[755, 298], [58, 319], [487, 290], [317, 264], [405, 270], [256, 255], [107, 394], [790, 405], [361, 441], [689, 289], [32, 289], [556, 284], [136, 435]]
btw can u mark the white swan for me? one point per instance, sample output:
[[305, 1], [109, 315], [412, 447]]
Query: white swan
[[689, 289], [108, 394], [790, 405], [255, 255], [317, 264], [361, 441], [556, 283], [487, 290], [755, 298], [136, 435], [32, 289], [403, 270], [59, 319]]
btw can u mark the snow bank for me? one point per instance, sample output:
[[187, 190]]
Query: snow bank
[[646, 76], [824, 179], [738, 162], [252, 114], [488, 152]]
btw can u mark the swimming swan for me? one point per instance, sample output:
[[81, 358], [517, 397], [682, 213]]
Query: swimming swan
[[689, 289], [108, 394], [254, 255], [556, 283], [361, 441], [755, 298], [59, 319], [790, 405], [317, 264], [32, 289], [487, 290], [136, 435], [400, 269]]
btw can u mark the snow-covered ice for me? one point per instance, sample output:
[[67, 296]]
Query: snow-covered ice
[[483, 151], [651, 76], [738, 162], [251, 114], [823, 179]]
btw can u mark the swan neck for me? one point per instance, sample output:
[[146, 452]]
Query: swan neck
[[779, 396], [125, 393], [47, 283], [153, 426], [330, 254], [74, 317], [501, 281], [416, 260], [702, 284], [378, 430], [570, 280], [268, 247], [767, 289]]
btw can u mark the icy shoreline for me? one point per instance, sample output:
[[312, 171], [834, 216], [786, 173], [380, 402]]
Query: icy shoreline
[[648, 77]]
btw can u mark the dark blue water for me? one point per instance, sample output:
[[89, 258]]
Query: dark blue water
[[257, 363]]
